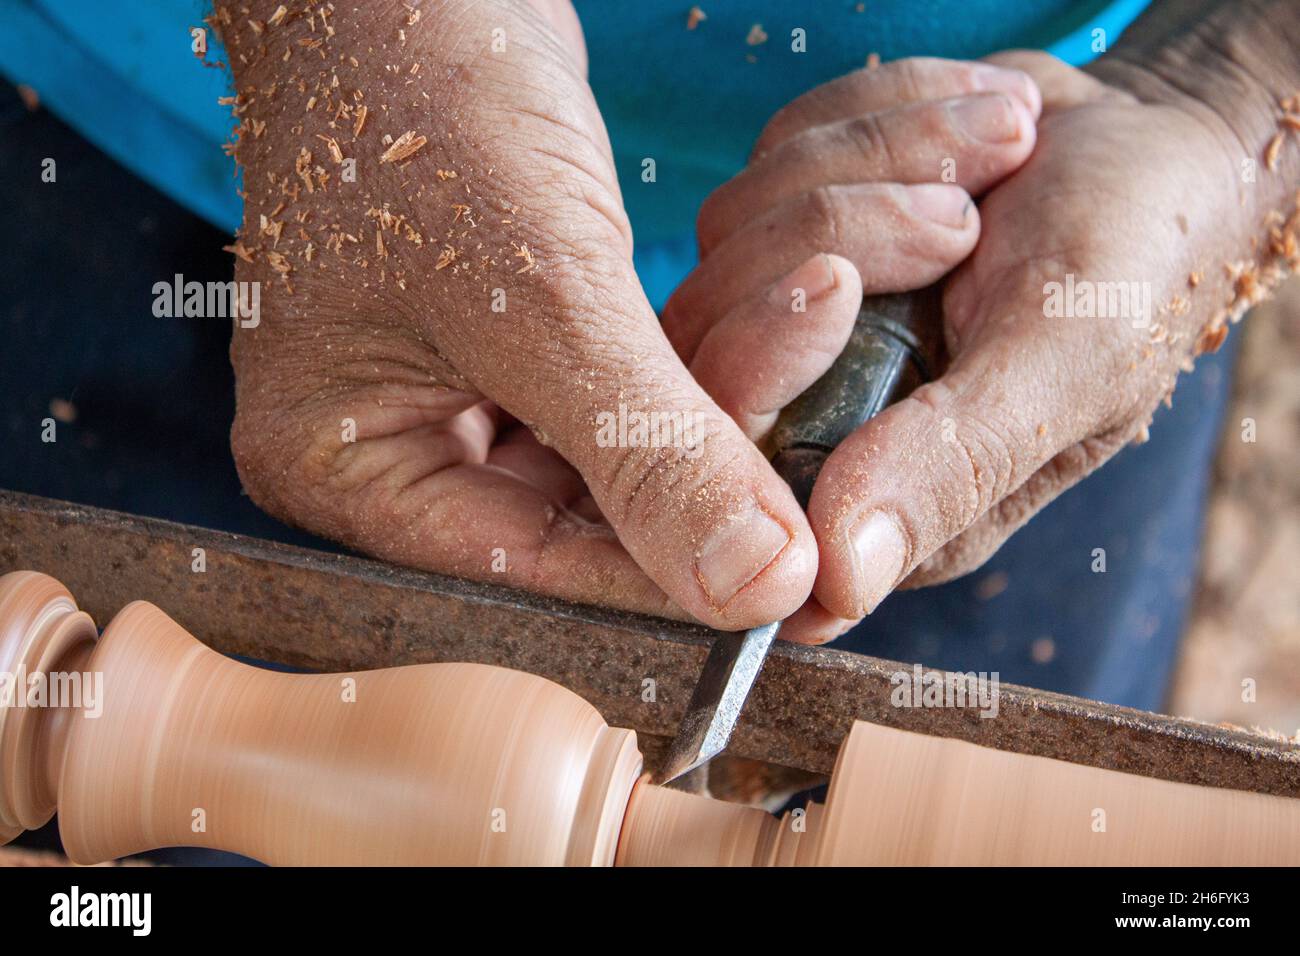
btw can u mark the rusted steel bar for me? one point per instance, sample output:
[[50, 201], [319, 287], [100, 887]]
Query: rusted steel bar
[[333, 612]]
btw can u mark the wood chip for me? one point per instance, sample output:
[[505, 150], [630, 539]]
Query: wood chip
[[524, 253], [404, 147], [63, 410], [1272, 151], [31, 99], [757, 36], [278, 17], [695, 17], [240, 250], [302, 168], [332, 145], [1211, 339]]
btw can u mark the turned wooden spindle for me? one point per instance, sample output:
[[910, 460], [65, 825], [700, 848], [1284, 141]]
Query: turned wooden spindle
[[471, 764], [447, 763]]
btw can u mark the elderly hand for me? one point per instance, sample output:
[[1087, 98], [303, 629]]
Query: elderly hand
[[861, 185], [1104, 265], [474, 276]]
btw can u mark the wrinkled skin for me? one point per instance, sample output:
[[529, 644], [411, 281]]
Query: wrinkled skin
[[443, 476], [1116, 190]]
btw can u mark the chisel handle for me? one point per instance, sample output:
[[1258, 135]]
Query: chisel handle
[[894, 348]]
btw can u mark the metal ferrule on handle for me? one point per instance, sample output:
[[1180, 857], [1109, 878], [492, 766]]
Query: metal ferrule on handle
[[893, 349]]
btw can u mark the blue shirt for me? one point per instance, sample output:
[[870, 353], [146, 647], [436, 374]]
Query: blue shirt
[[694, 100], [123, 76]]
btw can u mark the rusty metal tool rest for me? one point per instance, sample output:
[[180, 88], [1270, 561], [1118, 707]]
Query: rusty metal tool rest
[[324, 611]]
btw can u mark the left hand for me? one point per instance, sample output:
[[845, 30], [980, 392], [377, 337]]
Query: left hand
[[1116, 191]]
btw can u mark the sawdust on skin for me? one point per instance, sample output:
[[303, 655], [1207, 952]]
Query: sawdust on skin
[[415, 223], [1236, 284]]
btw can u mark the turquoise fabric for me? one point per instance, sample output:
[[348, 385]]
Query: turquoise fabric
[[122, 74]]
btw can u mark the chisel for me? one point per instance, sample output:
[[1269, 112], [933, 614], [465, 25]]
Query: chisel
[[894, 347]]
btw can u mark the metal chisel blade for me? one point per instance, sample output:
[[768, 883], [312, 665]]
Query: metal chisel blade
[[729, 672]]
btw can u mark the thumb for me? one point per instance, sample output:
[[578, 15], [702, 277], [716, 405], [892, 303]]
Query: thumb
[[691, 498], [924, 470]]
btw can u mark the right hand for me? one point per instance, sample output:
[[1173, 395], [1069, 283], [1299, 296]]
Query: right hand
[[855, 167], [441, 474]]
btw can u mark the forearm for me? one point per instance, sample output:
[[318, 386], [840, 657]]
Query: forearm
[[1235, 63]]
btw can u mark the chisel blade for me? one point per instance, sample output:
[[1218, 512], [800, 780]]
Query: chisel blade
[[891, 351], [720, 693]]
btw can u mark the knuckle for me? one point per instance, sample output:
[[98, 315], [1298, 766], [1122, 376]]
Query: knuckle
[[647, 486], [824, 216], [980, 456], [870, 136], [988, 455], [711, 222], [287, 468], [256, 461], [785, 123], [912, 77], [774, 130]]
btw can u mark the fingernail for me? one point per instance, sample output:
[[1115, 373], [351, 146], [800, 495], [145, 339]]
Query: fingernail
[[995, 79], [947, 205], [989, 119], [878, 552], [738, 552], [815, 277]]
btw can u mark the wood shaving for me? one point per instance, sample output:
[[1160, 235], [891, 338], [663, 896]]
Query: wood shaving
[[302, 168], [272, 229], [694, 17], [240, 250], [404, 147], [1272, 151], [332, 145], [1211, 339], [523, 252], [757, 36]]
